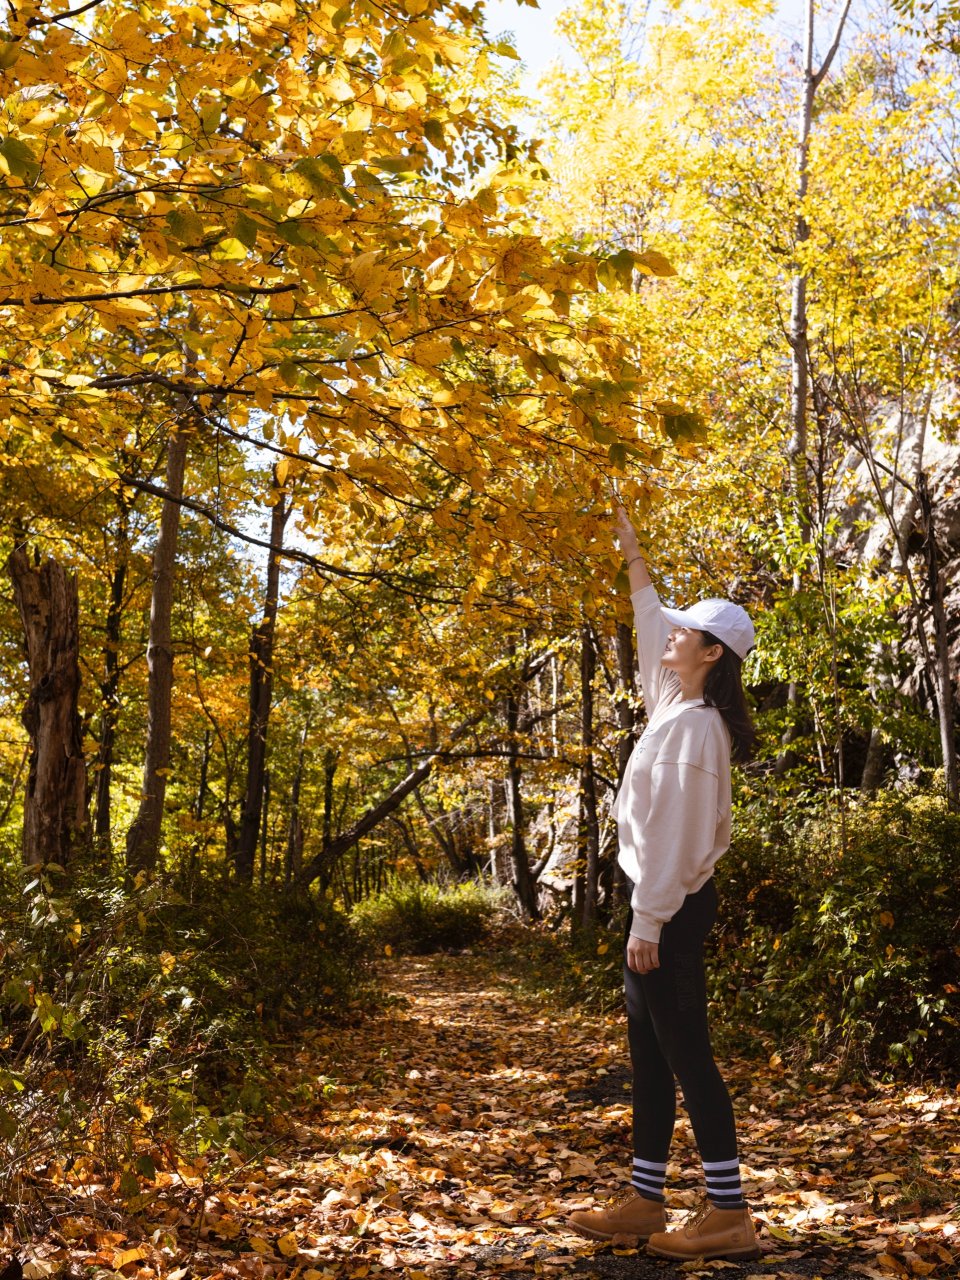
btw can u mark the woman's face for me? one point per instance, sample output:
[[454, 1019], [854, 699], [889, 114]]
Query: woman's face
[[687, 655]]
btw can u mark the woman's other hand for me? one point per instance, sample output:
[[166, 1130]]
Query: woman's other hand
[[642, 956]]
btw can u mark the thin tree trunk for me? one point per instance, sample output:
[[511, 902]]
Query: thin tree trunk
[[336, 846], [626, 717], [294, 854], [799, 348], [944, 684], [14, 786], [411, 846], [799, 356], [588, 824], [261, 694], [143, 838], [110, 685], [202, 781], [799, 352], [523, 884], [446, 844], [265, 826], [55, 823], [493, 840], [329, 773]]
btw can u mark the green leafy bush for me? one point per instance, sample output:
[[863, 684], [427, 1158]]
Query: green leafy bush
[[417, 917], [134, 1019], [584, 972], [837, 943], [842, 939]]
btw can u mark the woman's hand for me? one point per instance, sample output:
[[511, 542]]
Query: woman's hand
[[642, 956], [626, 534], [630, 549]]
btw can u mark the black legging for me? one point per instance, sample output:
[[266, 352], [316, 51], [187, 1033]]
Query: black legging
[[669, 1037]]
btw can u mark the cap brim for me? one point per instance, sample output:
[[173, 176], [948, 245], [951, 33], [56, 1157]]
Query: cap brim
[[681, 619]]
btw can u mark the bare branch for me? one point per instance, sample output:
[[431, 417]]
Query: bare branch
[[68, 13], [42, 300], [835, 45]]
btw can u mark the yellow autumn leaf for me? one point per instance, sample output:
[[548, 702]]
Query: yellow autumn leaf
[[229, 250], [123, 1258], [288, 1245]]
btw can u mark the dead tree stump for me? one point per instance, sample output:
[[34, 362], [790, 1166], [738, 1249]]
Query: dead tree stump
[[55, 819]]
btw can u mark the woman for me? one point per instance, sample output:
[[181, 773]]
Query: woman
[[673, 820]]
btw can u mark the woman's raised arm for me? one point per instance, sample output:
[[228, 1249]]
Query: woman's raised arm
[[627, 537]]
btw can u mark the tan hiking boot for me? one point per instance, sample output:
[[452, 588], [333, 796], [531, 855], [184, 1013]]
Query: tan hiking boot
[[627, 1214], [709, 1233]]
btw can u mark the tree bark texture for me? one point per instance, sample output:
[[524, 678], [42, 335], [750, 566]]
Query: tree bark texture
[[588, 827], [110, 685], [55, 822], [523, 882], [261, 695], [941, 673], [143, 838]]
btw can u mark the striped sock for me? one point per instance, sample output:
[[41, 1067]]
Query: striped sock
[[648, 1178], [723, 1184]]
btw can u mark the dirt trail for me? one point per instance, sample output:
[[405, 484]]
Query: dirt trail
[[468, 1120]]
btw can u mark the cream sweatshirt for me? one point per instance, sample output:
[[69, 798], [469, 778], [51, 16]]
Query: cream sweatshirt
[[673, 806]]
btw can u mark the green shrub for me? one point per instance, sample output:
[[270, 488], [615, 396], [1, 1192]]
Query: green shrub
[[842, 941], [277, 957], [417, 917], [134, 1019], [837, 942], [583, 972]]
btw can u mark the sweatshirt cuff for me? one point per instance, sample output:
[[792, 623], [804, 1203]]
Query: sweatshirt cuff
[[644, 928]]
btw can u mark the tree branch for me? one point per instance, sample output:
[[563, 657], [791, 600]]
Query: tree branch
[[68, 13], [42, 300], [832, 51], [378, 812]]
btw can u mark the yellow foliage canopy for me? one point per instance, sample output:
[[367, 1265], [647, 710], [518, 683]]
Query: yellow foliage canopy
[[297, 221]]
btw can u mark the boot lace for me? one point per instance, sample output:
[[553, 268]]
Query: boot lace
[[698, 1215], [623, 1197]]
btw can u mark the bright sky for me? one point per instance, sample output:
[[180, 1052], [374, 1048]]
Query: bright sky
[[539, 45]]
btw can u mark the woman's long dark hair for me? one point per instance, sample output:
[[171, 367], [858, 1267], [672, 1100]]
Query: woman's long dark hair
[[724, 690]]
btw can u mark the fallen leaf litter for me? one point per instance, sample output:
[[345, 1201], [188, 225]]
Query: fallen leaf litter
[[464, 1123]]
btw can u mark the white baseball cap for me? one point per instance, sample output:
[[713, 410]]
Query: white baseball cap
[[722, 618]]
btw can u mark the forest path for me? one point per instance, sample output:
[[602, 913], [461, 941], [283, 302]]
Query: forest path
[[468, 1119]]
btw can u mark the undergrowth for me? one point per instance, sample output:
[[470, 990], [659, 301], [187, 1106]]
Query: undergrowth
[[417, 917], [138, 1022], [837, 942]]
